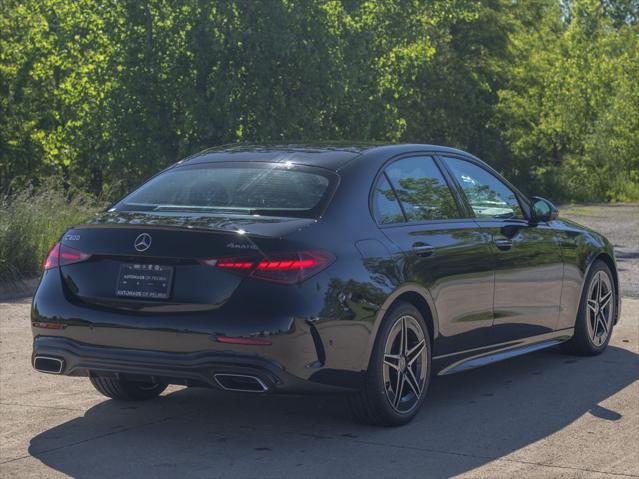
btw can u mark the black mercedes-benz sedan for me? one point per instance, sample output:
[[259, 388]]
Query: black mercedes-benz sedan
[[310, 269]]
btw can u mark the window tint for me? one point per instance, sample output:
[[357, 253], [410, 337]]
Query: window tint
[[269, 189], [386, 208], [422, 189], [487, 195]]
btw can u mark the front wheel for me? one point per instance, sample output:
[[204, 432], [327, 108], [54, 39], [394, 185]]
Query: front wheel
[[399, 370], [595, 318]]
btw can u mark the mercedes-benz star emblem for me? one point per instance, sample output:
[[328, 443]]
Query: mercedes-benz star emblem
[[142, 242]]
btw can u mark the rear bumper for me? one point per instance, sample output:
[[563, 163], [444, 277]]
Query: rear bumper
[[303, 352], [190, 369]]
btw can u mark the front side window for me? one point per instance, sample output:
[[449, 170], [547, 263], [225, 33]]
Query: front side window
[[386, 208], [422, 189], [269, 189], [487, 195]]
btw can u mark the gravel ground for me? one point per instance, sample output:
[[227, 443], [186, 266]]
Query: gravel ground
[[540, 415], [620, 224]]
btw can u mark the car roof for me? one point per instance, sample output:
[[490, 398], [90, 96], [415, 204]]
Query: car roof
[[332, 156]]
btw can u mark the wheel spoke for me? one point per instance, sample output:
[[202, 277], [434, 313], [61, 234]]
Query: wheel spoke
[[604, 323], [404, 341], [599, 284], [605, 300], [398, 390], [593, 320], [595, 326], [592, 305], [412, 382], [415, 352], [392, 360]]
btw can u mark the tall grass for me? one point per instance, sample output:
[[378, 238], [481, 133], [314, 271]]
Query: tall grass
[[32, 220]]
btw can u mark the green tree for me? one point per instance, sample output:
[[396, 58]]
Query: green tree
[[107, 93], [570, 103]]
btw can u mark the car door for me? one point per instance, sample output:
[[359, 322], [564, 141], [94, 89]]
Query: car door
[[528, 262], [443, 252]]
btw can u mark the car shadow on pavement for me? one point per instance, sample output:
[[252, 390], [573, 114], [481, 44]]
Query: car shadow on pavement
[[468, 420]]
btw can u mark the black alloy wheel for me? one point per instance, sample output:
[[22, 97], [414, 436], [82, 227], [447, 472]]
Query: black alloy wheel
[[399, 370], [596, 315]]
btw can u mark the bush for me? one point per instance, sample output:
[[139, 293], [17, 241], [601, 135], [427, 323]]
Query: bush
[[32, 220], [582, 181]]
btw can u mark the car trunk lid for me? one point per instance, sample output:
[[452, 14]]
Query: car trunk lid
[[158, 257]]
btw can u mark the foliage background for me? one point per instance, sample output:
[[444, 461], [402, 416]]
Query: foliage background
[[104, 94], [31, 220]]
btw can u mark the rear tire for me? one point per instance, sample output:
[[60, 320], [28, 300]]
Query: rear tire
[[596, 314], [125, 390], [398, 372]]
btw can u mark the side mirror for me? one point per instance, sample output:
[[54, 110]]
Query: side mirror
[[543, 210]]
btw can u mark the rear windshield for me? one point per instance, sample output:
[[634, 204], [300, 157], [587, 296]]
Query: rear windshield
[[274, 189]]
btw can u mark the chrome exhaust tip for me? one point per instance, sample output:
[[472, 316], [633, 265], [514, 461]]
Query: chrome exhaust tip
[[47, 364], [240, 383]]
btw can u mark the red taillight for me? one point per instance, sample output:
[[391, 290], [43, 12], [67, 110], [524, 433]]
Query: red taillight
[[285, 268], [235, 264], [51, 260], [292, 268], [62, 255]]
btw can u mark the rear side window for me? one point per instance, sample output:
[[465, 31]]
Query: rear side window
[[272, 189], [487, 195], [421, 188], [386, 208]]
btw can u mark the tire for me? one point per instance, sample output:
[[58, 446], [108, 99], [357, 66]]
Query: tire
[[393, 367], [596, 314], [124, 390]]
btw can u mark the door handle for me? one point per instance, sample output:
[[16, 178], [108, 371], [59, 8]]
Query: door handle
[[423, 249], [503, 243]]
